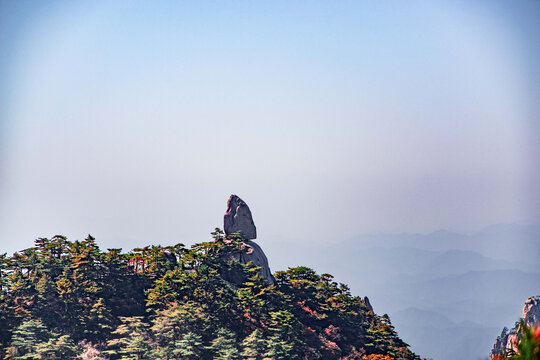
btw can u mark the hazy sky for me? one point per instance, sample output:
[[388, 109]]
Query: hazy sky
[[134, 121]]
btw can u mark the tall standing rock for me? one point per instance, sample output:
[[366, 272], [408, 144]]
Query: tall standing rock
[[238, 219]]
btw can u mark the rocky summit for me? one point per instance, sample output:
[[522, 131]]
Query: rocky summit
[[238, 219], [531, 311], [507, 341]]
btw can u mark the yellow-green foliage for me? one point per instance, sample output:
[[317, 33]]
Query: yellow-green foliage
[[173, 303]]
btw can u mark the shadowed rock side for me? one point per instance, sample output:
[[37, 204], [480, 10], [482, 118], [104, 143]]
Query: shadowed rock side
[[256, 255], [238, 219], [367, 303], [507, 341]]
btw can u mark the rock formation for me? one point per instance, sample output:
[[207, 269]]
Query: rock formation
[[367, 303], [238, 219], [256, 255], [531, 311], [508, 339]]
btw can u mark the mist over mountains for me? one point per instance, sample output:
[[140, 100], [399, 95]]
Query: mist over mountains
[[448, 294], [508, 242]]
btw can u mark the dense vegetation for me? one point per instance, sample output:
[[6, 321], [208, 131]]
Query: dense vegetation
[[69, 300]]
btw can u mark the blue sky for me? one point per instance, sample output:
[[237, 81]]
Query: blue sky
[[135, 121]]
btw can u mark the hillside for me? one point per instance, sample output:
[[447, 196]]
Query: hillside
[[70, 300]]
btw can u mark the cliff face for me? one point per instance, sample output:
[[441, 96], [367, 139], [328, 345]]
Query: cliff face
[[531, 311], [508, 339]]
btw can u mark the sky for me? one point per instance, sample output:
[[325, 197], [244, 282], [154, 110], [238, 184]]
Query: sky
[[134, 121]]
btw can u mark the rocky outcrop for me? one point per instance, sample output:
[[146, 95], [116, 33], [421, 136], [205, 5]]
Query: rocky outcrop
[[253, 253], [531, 311], [238, 219], [507, 341], [367, 303]]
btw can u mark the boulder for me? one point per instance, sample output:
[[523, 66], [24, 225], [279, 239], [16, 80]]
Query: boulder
[[238, 219]]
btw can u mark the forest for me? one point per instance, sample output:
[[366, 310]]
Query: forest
[[66, 299]]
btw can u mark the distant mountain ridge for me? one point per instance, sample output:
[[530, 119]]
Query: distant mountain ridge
[[498, 241], [401, 271], [472, 280]]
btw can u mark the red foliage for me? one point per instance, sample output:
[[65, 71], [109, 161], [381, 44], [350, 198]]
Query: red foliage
[[377, 357], [537, 333], [307, 309], [332, 332], [330, 345]]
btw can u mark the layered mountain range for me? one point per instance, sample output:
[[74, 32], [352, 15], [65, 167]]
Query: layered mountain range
[[448, 294]]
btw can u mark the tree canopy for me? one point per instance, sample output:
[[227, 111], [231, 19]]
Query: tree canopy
[[70, 300]]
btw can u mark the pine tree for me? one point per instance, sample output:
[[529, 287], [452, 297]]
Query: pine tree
[[33, 341], [223, 347], [254, 346], [171, 325], [132, 340], [285, 341], [6, 313], [189, 346]]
